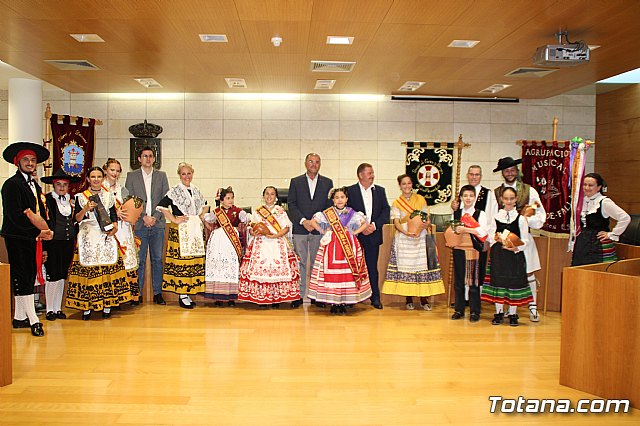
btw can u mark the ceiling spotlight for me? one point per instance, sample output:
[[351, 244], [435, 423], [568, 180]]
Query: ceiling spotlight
[[276, 41]]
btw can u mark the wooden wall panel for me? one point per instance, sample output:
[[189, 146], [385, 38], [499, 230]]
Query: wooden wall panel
[[617, 150]]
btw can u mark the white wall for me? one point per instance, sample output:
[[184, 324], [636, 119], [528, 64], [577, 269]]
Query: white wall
[[250, 141]]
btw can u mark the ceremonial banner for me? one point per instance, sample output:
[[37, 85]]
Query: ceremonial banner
[[430, 165], [73, 145], [545, 166]]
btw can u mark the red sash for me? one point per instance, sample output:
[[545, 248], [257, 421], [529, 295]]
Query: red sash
[[266, 215], [345, 243], [402, 202], [225, 224]]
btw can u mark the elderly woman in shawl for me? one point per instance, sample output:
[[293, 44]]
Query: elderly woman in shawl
[[183, 207]]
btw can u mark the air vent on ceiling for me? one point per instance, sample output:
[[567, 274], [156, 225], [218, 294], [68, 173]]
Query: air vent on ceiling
[[495, 88], [72, 64], [148, 82], [236, 83], [530, 72], [411, 86], [331, 66], [324, 84]]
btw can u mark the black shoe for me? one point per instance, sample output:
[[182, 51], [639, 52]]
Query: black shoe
[[231, 303], [140, 299], [263, 307], [513, 320], [50, 316], [86, 317], [218, 303], [36, 329], [342, 309], [21, 323], [193, 303], [457, 315], [275, 305], [377, 305], [158, 300], [296, 304], [40, 307], [320, 304], [60, 315], [334, 309], [106, 315], [184, 305], [498, 319], [135, 302], [474, 317]]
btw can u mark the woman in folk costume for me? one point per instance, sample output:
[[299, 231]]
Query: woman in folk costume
[[224, 249], [183, 207], [508, 265], [97, 278], [594, 243], [125, 236], [339, 276], [269, 271], [60, 248], [411, 272]]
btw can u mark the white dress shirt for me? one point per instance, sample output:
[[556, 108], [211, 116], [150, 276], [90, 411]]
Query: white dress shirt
[[367, 198], [609, 209], [147, 189]]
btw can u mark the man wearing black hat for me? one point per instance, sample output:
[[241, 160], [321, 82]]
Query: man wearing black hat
[[23, 239], [526, 196], [60, 248]]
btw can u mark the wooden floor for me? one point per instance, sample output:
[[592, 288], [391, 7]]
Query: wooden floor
[[166, 365]]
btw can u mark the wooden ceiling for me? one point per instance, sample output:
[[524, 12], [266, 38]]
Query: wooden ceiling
[[395, 41]]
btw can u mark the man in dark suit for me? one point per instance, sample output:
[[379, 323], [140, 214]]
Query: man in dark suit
[[308, 194], [151, 186], [23, 239], [371, 200]]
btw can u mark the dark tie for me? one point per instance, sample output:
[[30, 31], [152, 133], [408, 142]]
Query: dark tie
[[63, 198]]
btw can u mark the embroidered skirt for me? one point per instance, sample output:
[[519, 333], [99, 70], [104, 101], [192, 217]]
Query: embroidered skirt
[[508, 278], [181, 275]]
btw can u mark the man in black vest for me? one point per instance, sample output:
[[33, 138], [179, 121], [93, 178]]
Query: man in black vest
[[22, 238]]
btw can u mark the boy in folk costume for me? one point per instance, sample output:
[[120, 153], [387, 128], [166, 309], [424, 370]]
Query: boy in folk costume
[[23, 229], [467, 262], [60, 249]]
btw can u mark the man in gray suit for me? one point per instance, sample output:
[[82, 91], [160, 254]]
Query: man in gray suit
[[151, 186], [308, 194]]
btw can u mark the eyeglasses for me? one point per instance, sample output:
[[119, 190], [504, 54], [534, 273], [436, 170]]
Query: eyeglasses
[[147, 156]]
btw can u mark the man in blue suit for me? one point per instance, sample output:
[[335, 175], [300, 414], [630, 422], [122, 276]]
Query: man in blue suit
[[371, 200], [308, 194]]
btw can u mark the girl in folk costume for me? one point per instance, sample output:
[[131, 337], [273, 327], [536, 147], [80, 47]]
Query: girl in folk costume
[[508, 265], [339, 276], [594, 243], [269, 271], [466, 262], [125, 236], [224, 249], [97, 278], [411, 272], [60, 248], [183, 207]]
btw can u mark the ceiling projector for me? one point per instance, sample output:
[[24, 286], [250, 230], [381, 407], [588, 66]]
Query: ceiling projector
[[563, 54]]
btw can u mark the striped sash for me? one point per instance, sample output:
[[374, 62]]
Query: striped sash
[[266, 215], [225, 224], [345, 243]]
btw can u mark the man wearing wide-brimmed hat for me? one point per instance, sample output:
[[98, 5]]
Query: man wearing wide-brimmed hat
[[60, 248], [526, 196], [23, 239]]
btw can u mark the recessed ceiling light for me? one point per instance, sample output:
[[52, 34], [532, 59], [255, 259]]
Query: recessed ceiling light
[[411, 86], [324, 84], [213, 38], [339, 40], [495, 88], [87, 38], [148, 82], [465, 44], [236, 83]]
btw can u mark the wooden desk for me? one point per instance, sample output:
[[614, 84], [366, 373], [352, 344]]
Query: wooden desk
[[601, 330], [5, 326]]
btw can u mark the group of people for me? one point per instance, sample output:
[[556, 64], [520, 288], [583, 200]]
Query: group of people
[[325, 247], [500, 264]]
